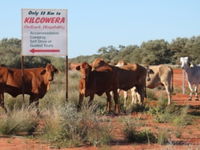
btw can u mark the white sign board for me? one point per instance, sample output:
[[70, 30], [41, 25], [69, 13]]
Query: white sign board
[[44, 32]]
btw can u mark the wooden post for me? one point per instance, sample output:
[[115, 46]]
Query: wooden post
[[66, 71], [22, 73]]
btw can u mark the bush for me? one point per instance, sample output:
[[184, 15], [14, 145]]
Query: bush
[[151, 95], [139, 108], [64, 126], [163, 136], [132, 135], [19, 120], [171, 113]]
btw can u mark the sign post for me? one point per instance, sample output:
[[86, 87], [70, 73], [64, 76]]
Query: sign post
[[44, 33]]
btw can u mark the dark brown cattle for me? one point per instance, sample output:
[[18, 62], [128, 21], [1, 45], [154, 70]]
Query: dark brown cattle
[[133, 75], [138, 78], [105, 78], [99, 81], [36, 82]]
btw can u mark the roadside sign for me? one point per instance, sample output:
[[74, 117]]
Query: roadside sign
[[44, 32]]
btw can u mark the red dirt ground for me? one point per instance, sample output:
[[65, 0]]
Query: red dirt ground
[[190, 136]]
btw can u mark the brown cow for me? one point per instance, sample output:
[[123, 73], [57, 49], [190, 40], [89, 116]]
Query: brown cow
[[99, 81], [141, 90], [134, 77], [36, 82], [106, 78]]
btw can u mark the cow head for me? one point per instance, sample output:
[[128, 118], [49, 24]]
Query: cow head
[[184, 62], [149, 71], [49, 71], [85, 70]]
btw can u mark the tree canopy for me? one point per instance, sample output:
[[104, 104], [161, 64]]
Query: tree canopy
[[152, 52]]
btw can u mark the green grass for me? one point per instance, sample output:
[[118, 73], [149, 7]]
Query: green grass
[[163, 136], [151, 94], [177, 115], [134, 136]]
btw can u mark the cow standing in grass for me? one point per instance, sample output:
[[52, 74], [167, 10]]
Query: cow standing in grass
[[34, 82], [135, 96], [101, 77], [160, 75], [193, 76], [101, 80]]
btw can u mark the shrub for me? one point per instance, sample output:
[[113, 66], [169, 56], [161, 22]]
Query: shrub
[[19, 120], [64, 126], [183, 118], [139, 108], [163, 136], [151, 95], [171, 113], [132, 135]]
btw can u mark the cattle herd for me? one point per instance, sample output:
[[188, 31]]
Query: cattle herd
[[99, 78]]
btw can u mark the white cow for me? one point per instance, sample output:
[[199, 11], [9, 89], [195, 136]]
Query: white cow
[[161, 75], [193, 76]]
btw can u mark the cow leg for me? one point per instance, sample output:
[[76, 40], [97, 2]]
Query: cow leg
[[109, 102], [90, 100], [134, 96], [81, 96], [116, 97], [125, 98], [35, 99], [196, 92], [167, 88], [2, 102], [139, 98], [141, 95], [191, 91]]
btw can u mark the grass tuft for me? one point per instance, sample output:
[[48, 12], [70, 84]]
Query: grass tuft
[[64, 126], [132, 135], [19, 120]]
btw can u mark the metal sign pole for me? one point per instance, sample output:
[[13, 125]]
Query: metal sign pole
[[66, 78], [22, 76]]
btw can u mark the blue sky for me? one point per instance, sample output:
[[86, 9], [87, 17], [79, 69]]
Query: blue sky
[[96, 23]]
